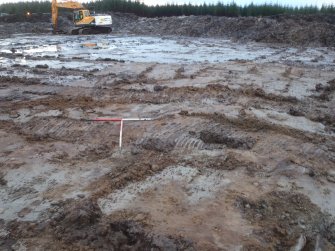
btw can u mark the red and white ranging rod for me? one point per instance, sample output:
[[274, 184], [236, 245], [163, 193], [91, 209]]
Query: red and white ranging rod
[[121, 123]]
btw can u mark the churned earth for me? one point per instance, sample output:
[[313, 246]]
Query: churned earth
[[239, 154]]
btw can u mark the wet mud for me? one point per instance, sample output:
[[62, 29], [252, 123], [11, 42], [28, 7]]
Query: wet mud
[[239, 154]]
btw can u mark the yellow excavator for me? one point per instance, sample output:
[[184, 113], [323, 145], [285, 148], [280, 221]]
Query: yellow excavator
[[84, 22]]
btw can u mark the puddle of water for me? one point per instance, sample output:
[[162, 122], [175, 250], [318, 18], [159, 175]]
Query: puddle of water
[[90, 53], [155, 49]]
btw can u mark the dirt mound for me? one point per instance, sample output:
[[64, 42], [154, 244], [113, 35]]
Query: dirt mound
[[121, 21], [307, 30], [285, 217], [80, 225], [289, 29], [230, 141], [33, 18], [35, 23], [155, 144]]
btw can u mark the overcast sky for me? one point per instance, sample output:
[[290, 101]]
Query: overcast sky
[[239, 2], [244, 2]]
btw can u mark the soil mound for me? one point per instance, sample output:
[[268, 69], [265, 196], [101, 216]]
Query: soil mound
[[287, 218], [311, 30], [297, 30]]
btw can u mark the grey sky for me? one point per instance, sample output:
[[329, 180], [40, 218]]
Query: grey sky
[[239, 2], [244, 2]]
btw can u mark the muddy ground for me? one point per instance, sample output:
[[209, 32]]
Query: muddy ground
[[240, 154]]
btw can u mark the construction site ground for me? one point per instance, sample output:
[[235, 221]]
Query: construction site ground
[[240, 154]]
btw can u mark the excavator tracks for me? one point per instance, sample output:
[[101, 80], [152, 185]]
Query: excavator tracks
[[91, 30]]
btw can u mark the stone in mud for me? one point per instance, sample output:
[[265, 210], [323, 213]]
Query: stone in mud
[[295, 112], [156, 144]]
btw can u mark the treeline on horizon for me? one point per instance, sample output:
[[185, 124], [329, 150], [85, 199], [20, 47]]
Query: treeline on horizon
[[140, 9]]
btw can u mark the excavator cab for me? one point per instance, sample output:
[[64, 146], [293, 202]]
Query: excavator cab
[[80, 15]]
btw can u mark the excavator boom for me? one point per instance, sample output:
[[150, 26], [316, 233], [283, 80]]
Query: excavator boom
[[72, 5]]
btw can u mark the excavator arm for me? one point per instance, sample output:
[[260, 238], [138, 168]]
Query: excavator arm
[[72, 5]]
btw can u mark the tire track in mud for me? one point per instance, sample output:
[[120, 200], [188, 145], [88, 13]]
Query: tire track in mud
[[196, 132], [243, 143], [68, 130], [199, 134], [178, 133], [253, 124], [184, 141]]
